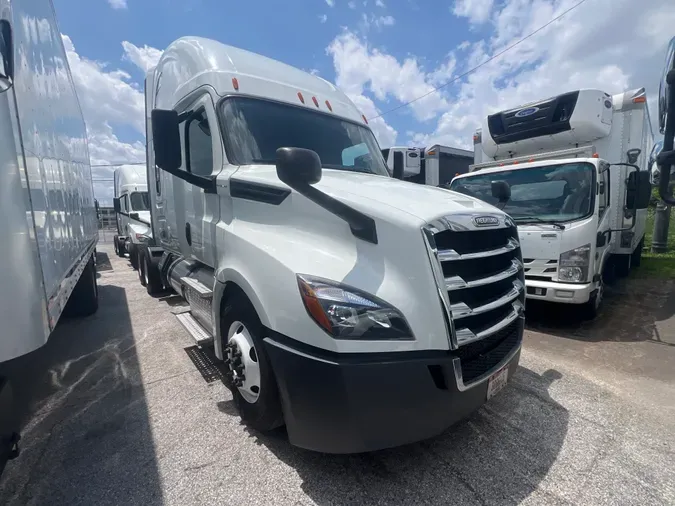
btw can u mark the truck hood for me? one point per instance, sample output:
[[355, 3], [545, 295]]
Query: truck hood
[[380, 195]]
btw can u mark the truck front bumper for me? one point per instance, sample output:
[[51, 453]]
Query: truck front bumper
[[355, 403], [567, 293]]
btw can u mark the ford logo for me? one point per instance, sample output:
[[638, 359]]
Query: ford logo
[[485, 221], [526, 112]]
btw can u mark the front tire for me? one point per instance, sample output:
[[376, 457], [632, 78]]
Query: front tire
[[153, 279], [84, 299], [133, 256], [622, 264], [592, 308], [636, 257], [252, 382]]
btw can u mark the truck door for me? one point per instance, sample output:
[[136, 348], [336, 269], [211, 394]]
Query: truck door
[[603, 203], [197, 211]]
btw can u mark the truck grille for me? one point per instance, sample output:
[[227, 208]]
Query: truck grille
[[480, 277]]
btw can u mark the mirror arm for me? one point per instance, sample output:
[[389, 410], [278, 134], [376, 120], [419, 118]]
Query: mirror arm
[[207, 183]]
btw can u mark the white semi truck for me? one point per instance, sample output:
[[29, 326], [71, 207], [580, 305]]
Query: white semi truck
[[360, 311], [48, 227], [434, 166], [132, 211], [665, 158], [572, 171]]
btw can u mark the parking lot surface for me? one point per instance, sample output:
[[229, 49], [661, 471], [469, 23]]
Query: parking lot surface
[[116, 411]]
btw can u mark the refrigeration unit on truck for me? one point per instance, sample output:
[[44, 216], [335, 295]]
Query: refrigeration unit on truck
[[360, 311], [434, 166], [132, 211], [48, 227], [572, 171]]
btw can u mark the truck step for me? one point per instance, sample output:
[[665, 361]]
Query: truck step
[[193, 327], [202, 290]]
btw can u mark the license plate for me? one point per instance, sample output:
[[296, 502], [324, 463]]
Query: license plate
[[497, 381]]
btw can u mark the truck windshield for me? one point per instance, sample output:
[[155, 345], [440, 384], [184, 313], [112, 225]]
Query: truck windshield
[[554, 193], [255, 129], [140, 201]]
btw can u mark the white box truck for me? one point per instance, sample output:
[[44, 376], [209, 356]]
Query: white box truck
[[572, 171], [434, 166], [327, 286], [132, 211], [48, 224]]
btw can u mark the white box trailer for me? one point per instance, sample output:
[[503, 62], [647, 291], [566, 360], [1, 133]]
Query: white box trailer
[[353, 308], [573, 173], [132, 211], [49, 228], [434, 166]]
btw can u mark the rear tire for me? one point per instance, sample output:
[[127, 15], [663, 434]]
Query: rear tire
[[636, 257], [622, 264], [84, 299], [141, 267], [263, 412], [153, 279]]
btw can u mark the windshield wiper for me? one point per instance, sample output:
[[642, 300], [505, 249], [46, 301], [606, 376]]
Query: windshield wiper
[[535, 219]]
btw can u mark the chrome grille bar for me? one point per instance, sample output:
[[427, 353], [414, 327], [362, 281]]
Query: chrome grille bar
[[457, 283], [450, 255], [466, 336], [462, 310]]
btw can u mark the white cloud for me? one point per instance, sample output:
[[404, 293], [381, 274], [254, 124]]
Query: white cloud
[[477, 11], [360, 68], [144, 57], [108, 97], [386, 134], [323, 18], [385, 21], [351, 4], [379, 3], [331, 3], [118, 4]]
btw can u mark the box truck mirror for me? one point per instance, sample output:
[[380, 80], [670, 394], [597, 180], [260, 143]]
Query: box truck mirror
[[298, 166], [116, 205], [398, 165], [166, 139], [501, 190], [6, 56]]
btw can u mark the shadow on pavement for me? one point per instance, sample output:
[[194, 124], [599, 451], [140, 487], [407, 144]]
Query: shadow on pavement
[[499, 455], [86, 436], [631, 311]]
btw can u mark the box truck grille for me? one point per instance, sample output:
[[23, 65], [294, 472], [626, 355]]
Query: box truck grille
[[481, 270]]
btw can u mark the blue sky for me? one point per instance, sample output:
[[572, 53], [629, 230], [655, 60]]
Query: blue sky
[[382, 53]]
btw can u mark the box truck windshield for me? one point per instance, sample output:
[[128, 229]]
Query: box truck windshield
[[255, 128], [559, 193]]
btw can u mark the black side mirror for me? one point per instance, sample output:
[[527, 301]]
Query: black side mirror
[[116, 205], [134, 216], [6, 56], [638, 190], [632, 155], [601, 239], [166, 139], [398, 165], [501, 190], [298, 166]]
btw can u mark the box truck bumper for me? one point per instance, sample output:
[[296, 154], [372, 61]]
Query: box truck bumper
[[364, 402], [566, 293]]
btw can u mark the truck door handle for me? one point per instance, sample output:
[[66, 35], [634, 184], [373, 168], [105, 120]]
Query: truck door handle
[[188, 234]]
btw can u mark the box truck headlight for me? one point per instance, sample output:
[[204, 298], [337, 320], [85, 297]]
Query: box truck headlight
[[348, 313], [573, 264]]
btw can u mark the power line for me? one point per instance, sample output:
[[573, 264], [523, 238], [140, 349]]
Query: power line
[[494, 56], [116, 164]]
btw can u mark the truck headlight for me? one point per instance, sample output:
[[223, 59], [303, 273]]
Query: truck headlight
[[573, 264], [348, 313], [142, 238]]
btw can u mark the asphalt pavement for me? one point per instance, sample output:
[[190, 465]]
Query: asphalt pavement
[[121, 408]]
